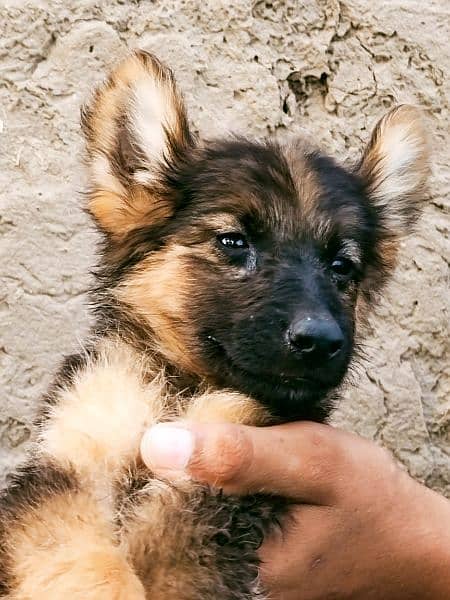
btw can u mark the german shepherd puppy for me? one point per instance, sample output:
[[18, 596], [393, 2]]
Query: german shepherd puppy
[[232, 278]]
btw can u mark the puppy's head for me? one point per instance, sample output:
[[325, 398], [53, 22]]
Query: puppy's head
[[243, 263]]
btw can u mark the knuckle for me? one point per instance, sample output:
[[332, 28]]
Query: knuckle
[[225, 457], [232, 455]]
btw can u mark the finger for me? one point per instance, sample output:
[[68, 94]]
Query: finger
[[302, 461]]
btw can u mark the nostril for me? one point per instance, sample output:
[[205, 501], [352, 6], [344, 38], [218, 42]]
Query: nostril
[[304, 343], [316, 338], [335, 348]]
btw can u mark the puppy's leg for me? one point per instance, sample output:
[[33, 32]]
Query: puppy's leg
[[226, 407], [63, 546], [58, 522]]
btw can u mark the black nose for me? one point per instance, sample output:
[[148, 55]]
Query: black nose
[[316, 338]]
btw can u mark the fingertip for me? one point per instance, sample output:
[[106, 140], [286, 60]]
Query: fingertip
[[217, 454], [167, 447]]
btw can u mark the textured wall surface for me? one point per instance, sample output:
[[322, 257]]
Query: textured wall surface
[[331, 68]]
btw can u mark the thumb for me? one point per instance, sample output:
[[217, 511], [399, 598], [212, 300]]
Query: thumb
[[298, 460]]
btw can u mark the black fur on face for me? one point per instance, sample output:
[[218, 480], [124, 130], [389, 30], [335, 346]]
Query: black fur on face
[[296, 251], [304, 255], [243, 263]]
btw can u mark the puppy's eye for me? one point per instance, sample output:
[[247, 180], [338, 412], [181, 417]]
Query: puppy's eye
[[342, 266], [233, 241]]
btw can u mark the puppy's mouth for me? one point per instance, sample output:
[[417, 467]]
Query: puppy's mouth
[[288, 396]]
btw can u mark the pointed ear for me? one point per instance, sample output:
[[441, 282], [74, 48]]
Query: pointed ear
[[136, 131], [395, 168]]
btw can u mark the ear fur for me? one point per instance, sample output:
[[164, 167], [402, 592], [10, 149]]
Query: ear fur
[[135, 128], [395, 167]]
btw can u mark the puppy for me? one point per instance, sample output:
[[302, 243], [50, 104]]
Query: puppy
[[232, 281]]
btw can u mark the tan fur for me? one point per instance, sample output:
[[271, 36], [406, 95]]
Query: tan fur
[[230, 407], [396, 161], [113, 99], [221, 222], [65, 549], [69, 545], [303, 177], [308, 188], [149, 292], [159, 291], [146, 93], [97, 423], [119, 214]]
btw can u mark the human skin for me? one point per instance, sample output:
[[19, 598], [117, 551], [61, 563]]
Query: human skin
[[360, 528]]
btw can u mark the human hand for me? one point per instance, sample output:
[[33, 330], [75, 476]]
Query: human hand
[[361, 528]]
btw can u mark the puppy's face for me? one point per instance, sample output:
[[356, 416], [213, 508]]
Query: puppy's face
[[239, 262]]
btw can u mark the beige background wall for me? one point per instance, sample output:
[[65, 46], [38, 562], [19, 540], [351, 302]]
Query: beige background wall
[[329, 67]]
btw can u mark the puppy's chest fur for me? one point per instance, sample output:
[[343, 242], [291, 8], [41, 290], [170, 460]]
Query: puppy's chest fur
[[193, 542], [181, 540]]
